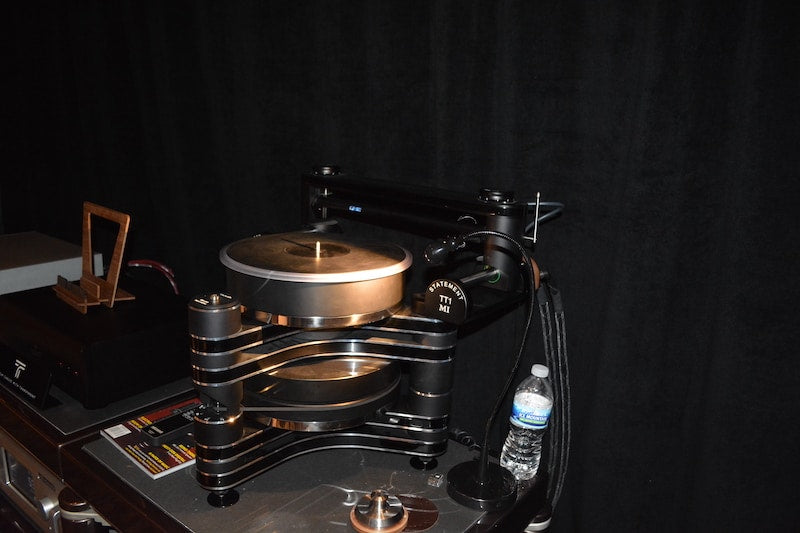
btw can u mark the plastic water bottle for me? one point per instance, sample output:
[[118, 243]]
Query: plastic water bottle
[[533, 402]]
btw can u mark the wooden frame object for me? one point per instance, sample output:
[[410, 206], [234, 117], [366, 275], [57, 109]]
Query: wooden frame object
[[93, 289]]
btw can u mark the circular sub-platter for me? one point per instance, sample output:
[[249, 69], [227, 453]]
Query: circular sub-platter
[[324, 394], [315, 280]]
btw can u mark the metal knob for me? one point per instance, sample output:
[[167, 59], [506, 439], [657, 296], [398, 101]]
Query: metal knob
[[378, 511], [214, 316]]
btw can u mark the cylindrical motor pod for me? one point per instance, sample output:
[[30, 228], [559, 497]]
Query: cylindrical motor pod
[[214, 316]]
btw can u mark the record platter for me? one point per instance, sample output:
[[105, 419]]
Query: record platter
[[313, 345], [313, 280]]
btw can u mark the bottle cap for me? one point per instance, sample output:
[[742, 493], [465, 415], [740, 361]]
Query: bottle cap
[[540, 371]]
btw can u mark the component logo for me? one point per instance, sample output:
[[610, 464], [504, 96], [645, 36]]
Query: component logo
[[19, 367]]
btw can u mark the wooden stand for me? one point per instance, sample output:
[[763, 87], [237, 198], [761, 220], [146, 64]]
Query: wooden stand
[[94, 290]]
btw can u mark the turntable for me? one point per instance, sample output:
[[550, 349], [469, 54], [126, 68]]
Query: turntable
[[325, 357], [314, 344]]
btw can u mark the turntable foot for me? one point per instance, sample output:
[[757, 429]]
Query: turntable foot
[[424, 464], [223, 499], [378, 512]]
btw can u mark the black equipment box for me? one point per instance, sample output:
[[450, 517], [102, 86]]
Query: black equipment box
[[103, 356]]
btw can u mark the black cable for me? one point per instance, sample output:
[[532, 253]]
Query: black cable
[[558, 207], [559, 436], [549, 355], [529, 319], [565, 427]]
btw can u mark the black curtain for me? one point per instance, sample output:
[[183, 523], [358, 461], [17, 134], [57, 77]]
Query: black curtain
[[669, 130]]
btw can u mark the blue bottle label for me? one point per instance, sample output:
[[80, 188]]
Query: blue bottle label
[[531, 411]]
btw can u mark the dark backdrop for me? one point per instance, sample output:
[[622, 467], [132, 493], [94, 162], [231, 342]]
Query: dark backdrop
[[669, 130]]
